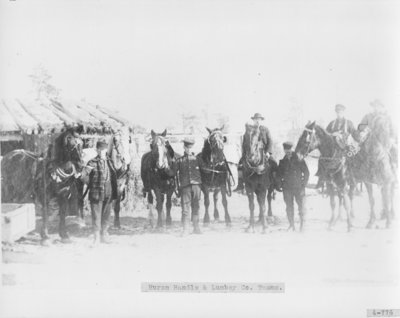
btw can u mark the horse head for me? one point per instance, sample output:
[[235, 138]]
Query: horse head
[[254, 147], [160, 149], [118, 150], [215, 142], [68, 147], [313, 137]]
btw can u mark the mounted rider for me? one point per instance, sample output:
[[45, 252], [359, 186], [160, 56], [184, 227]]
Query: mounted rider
[[341, 129], [388, 136], [265, 136]]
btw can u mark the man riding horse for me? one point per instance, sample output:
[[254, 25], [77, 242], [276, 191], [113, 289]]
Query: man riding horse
[[341, 129], [267, 141]]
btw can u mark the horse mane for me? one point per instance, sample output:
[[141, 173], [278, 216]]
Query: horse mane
[[206, 151], [329, 141], [170, 150]]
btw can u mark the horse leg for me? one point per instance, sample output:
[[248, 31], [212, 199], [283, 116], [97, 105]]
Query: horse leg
[[269, 199], [392, 189], [62, 231], [333, 220], [250, 196], [340, 209], [351, 197], [159, 207], [372, 217], [215, 197], [206, 219], [346, 203], [44, 233], [117, 208], [385, 202], [225, 204], [261, 194], [168, 207], [79, 188], [150, 201]]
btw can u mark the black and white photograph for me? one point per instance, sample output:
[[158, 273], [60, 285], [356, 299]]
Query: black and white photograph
[[199, 158]]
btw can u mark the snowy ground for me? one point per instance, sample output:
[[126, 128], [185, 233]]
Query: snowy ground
[[332, 273]]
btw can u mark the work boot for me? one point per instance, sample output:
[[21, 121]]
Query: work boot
[[105, 237], [185, 226], [240, 186], [96, 239], [196, 228]]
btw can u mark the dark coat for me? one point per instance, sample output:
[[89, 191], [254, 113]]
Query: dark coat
[[265, 136], [344, 126], [188, 170], [293, 172]]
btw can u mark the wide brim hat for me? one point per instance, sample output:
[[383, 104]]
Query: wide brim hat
[[101, 144], [188, 141], [257, 116], [287, 145], [339, 107], [377, 104]]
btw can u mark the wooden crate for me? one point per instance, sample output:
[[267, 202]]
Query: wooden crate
[[16, 220]]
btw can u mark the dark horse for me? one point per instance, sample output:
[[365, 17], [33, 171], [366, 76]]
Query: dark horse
[[158, 171], [256, 173], [335, 164], [57, 181], [376, 163], [215, 173], [118, 151]]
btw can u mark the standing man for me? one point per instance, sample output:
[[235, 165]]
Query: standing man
[[188, 174], [294, 175], [267, 141], [100, 173]]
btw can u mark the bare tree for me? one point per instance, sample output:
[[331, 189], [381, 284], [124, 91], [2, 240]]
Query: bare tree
[[41, 82]]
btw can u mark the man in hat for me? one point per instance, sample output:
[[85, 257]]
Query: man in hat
[[378, 113], [293, 173], [341, 128], [99, 174], [189, 178], [265, 136], [387, 137]]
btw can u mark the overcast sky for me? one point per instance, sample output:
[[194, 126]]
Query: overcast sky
[[153, 59]]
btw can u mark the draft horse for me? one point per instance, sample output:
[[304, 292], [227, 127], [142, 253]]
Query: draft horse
[[158, 172], [334, 163], [256, 173], [215, 173], [118, 151]]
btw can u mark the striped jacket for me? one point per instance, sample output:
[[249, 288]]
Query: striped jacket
[[102, 179]]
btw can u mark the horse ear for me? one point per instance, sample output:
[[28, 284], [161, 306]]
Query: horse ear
[[153, 134], [312, 124], [209, 130], [164, 133], [222, 127]]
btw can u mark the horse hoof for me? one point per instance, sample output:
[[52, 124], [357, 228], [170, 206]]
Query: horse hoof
[[168, 221], [264, 231], [228, 224], [45, 242], [370, 224], [66, 240]]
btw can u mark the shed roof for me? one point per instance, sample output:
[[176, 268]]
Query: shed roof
[[23, 116]]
